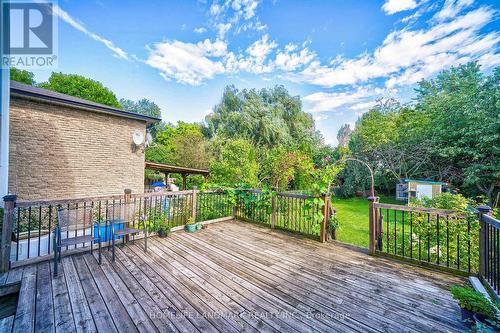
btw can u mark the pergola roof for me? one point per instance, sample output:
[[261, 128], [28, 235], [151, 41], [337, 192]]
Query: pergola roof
[[166, 168]]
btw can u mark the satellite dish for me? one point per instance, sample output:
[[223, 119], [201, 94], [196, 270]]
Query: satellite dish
[[138, 138]]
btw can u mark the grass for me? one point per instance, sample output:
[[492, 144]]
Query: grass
[[353, 219]]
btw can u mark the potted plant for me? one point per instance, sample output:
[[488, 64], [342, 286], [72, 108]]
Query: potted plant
[[474, 306], [163, 231], [191, 226]]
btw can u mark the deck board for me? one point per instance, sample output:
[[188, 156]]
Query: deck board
[[234, 277]]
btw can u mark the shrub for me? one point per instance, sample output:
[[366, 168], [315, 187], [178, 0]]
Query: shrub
[[474, 301]]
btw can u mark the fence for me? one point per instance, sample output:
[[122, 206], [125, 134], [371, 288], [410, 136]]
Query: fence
[[466, 243], [299, 213], [28, 225], [489, 254]]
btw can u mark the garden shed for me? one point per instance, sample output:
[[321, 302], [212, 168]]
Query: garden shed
[[417, 188]]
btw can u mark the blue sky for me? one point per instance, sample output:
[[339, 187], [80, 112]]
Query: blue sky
[[339, 56]]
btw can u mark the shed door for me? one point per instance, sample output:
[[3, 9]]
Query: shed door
[[424, 191]]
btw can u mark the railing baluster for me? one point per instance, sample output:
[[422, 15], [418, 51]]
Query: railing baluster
[[18, 226], [29, 230], [468, 244], [447, 242], [403, 238], [49, 248], [411, 234], [428, 237], [39, 228], [395, 232]]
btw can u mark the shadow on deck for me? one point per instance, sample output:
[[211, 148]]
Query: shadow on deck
[[233, 277]]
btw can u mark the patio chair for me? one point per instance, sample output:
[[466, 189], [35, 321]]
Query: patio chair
[[123, 215], [74, 224]]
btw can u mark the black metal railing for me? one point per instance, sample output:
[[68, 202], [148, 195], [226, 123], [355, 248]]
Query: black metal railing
[[489, 268], [33, 222], [443, 238]]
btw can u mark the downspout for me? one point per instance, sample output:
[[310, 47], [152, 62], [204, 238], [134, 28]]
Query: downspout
[[4, 113]]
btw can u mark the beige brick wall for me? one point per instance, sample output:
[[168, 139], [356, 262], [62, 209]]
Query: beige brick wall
[[62, 152]]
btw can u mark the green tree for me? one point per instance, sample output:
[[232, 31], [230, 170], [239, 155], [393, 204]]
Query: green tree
[[464, 106], [82, 87], [235, 163], [145, 107], [282, 166], [183, 144], [266, 117], [22, 76]]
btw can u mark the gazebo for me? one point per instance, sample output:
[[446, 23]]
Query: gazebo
[[183, 171]]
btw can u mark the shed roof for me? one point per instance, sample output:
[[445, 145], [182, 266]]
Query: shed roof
[[423, 181], [21, 90]]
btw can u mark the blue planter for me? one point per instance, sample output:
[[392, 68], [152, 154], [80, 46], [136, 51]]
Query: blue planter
[[191, 227], [106, 231]]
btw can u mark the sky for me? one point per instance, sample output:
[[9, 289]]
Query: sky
[[339, 56]]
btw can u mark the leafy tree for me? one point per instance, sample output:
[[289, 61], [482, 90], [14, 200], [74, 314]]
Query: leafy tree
[[183, 145], [392, 137], [145, 107], [268, 118], [22, 76], [82, 87], [235, 163], [282, 166], [344, 134], [465, 133], [450, 133]]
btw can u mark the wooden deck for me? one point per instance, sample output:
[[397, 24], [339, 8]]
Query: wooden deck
[[233, 277]]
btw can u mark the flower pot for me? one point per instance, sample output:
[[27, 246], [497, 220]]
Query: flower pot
[[162, 233], [199, 226], [192, 227], [480, 320], [467, 317]]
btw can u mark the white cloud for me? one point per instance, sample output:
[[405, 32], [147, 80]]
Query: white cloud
[[261, 48], [395, 6], [406, 55], [63, 15], [215, 9], [186, 62], [451, 8], [363, 106], [237, 14], [200, 30], [355, 100], [222, 29], [288, 60]]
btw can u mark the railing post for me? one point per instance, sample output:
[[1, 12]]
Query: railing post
[[8, 219], [273, 209], [193, 204], [324, 224], [126, 199], [372, 223], [483, 210]]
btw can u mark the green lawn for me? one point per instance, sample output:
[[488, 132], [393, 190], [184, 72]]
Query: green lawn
[[353, 218]]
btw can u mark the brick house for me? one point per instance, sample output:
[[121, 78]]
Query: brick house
[[66, 147]]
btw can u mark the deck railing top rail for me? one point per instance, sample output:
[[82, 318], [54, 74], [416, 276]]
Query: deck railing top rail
[[28, 226], [417, 209]]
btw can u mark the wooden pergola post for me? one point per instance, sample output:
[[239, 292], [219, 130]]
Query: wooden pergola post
[[184, 178]]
